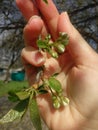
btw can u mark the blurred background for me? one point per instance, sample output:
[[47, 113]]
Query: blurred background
[[84, 16]]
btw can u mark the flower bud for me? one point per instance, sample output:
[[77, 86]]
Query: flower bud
[[60, 48], [56, 102], [64, 101], [53, 53]]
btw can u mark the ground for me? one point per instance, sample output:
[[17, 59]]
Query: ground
[[25, 124]]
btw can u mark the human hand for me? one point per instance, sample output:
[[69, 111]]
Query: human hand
[[78, 71]]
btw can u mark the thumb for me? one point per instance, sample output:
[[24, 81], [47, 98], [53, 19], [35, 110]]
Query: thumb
[[78, 48], [32, 56]]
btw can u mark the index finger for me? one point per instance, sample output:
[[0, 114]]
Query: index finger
[[27, 8], [50, 15]]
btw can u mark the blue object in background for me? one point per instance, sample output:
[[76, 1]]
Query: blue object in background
[[18, 76]]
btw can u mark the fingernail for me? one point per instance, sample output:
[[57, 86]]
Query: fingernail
[[33, 17], [38, 58]]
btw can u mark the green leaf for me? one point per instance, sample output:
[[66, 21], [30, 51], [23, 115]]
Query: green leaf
[[34, 114], [42, 44], [55, 84], [43, 91], [55, 74], [13, 97], [15, 113], [23, 95], [45, 1]]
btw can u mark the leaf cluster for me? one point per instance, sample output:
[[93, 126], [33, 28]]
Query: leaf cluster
[[53, 48], [26, 98]]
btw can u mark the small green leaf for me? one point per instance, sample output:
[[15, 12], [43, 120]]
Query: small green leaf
[[15, 113], [55, 74], [23, 95], [43, 91], [42, 44], [55, 84], [45, 1], [34, 113], [12, 97]]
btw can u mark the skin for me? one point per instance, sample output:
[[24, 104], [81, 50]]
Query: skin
[[77, 67]]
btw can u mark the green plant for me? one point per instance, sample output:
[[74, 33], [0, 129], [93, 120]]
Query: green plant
[[26, 97]]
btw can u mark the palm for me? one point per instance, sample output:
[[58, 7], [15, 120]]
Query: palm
[[76, 80], [71, 76]]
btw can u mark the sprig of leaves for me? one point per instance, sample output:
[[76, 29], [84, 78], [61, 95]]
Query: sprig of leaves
[[53, 48], [26, 98], [55, 88]]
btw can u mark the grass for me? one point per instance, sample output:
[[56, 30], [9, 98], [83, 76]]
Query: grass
[[11, 86]]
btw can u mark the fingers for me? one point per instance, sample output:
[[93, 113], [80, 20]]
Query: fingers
[[50, 15], [27, 8], [32, 59], [32, 56], [32, 30], [78, 47], [48, 11]]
